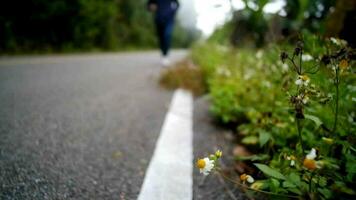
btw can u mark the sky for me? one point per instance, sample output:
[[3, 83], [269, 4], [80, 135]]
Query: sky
[[212, 13]]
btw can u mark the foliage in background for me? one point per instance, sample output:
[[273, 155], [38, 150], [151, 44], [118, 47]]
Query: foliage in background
[[305, 14], [67, 25], [251, 27]]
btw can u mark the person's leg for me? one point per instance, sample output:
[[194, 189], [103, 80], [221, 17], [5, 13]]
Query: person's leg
[[167, 37], [160, 33]]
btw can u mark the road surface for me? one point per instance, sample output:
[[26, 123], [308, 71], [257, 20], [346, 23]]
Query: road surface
[[79, 126]]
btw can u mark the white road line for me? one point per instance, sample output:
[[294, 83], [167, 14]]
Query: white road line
[[169, 174]]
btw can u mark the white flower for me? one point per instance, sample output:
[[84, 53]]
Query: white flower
[[267, 84], [292, 160], [223, 71], [307, 57], [259, 54], [338, 42], [334, 40], [285, 67], [302, 98], [248, 178], [205, 165], [312, 154], [299, 82], [302, 80], [305, 99]]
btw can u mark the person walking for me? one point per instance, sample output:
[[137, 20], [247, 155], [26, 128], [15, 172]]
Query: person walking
[[165, 11]]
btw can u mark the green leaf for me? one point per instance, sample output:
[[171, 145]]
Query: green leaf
[[288, 184], [295, 190], [315, 119], [250, 140], [350, 163], [269, 171], [274, 184], [325, 192], [264, 137], [323, 181], [338, 185], [294, 178]]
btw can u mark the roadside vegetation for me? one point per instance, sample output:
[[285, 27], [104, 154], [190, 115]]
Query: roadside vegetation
[[184, 74], [292, 109], [290, 100]]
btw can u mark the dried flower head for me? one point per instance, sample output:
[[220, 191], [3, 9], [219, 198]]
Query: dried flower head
[[343, 64], [283, 56], [326, 59], [299, 47]]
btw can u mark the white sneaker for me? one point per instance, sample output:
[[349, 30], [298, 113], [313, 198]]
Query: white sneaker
[[165, 61]]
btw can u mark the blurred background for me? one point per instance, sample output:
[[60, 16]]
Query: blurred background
[[37, 26]]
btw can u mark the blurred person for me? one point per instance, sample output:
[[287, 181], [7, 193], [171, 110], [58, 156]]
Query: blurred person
[[164, 11]]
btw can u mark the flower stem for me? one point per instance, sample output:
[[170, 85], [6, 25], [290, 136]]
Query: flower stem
[[299, 127], [310, 182], [300, 61], [336, 100]]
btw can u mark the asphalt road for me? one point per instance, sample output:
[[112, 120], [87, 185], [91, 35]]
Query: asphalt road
[[79, 126]]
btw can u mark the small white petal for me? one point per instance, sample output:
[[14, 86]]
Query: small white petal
[[250, 179], [285, 67], [209, 165], [335, 41], [307, 57], [312, 154], [306, 82], [299, 82]]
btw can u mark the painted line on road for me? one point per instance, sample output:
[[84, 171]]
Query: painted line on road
[[169, 174]]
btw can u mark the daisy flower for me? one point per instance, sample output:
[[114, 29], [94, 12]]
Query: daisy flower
[[302, 80], [310, 162], [205, 165]]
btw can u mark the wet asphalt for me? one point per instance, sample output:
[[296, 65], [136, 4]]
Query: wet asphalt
[[79, 126]]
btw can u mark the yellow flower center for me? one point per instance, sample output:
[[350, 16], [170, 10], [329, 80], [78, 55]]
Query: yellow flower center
[[201, 163], [309, 164], [343, 64], [292, 157], [304, 77], [243, 177]]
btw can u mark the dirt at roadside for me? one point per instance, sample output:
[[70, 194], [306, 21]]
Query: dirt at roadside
[[207, 139]]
